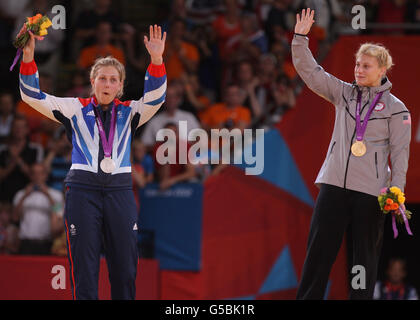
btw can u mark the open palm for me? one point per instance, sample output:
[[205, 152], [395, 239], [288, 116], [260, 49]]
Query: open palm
[[305, 21], [155, 45]]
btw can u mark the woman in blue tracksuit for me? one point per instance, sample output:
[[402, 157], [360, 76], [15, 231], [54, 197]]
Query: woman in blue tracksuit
[[100, 205]]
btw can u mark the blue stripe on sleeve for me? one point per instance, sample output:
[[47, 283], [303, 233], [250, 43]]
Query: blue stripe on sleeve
[[32, 94], [157, 101], [152, 83], [82, 141], [30, 80]]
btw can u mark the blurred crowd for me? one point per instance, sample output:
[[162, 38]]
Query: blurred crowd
[[228, 66]]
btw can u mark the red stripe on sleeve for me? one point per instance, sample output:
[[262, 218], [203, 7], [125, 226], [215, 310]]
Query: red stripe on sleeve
[[157, 70], [29, 68]]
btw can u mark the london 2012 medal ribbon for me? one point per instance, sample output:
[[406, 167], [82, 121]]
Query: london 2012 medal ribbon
[[359, 148], [107, 164]]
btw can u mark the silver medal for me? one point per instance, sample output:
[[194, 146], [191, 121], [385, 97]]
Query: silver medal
[[107, 165]]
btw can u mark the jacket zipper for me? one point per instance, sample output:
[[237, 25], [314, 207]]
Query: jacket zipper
[[348, 156], [376, 165]]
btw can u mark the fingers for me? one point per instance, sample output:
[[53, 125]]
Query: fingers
[[164, 37], [307, 14], [33, 36], [155, 32]]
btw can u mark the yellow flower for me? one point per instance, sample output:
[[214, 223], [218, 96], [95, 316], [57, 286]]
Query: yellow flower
[[43, 32], [395, 190], [46, 24], [401, 199]]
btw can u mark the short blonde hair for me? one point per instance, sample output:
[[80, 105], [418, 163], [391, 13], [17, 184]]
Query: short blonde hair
[[378, 51], [108, 62]]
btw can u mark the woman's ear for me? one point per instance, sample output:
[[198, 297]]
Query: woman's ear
[[92, 82], [383, 72]]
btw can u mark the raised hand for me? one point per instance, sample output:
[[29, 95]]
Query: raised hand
[[156, 44], [28, 50], [305, 21]]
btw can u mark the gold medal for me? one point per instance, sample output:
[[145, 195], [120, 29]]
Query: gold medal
[[358, 148]]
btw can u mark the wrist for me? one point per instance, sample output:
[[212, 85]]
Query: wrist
[[27, 57], [301, 34], [157, 60]]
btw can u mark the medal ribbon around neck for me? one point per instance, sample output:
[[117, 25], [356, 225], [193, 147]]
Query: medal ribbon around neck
[[361, 128], [106, 144]]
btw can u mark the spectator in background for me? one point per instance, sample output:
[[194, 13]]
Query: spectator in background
[[203, 12], [229, 113], [170, 113], [180, 56], [6, 115], [41, 128], [283, 59], [178, 11], [79, 87], [284, 99], [169, 174], [248, 82], [58, 160], [136, 61], [8, 231], [16, 157], [209, 68], [142, 168], [101, 48], [39, 209], [267, 73], [394, 287], [87, 22], [194, 95], [226, 26], [250, 43], [281, 15]]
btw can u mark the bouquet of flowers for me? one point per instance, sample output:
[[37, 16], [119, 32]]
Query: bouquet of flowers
[[38, 25], [391, 200]]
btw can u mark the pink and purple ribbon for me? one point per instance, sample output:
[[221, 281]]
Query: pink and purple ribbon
[[361, 128], [106, 143], [394, 224], [18, 53]]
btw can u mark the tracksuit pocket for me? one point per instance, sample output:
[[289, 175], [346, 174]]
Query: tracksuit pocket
[[376, 165]]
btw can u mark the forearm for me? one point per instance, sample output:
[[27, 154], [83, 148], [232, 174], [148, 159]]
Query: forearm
[[314, 76]]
